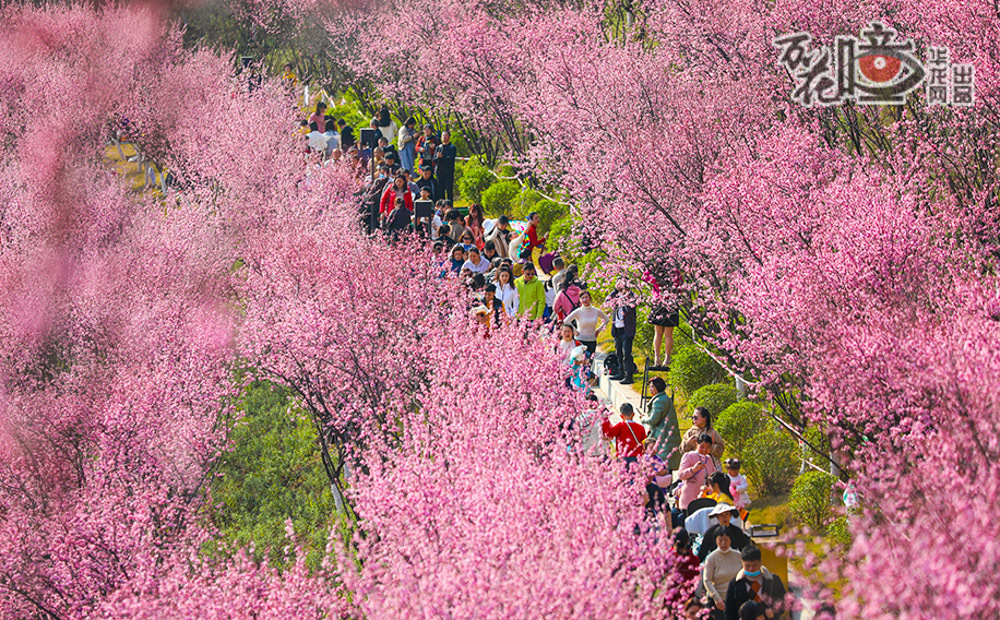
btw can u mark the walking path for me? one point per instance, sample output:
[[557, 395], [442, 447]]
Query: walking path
[[612, 394]]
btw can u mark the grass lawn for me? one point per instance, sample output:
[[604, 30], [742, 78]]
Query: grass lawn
[[129, 170]]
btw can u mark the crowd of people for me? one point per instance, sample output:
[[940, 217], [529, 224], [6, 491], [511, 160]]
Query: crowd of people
[[406, 179]]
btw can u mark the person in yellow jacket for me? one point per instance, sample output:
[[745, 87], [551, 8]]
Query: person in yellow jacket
[[530, 293]]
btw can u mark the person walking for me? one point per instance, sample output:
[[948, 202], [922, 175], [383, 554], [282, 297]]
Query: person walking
[[506, 291], [695, 468], [500, 236], [346, 135], [530, 293], [628, 435], [724, 514], [661, 423], [721, 567], [399, 189], [426, 144], [386, 126], [755, 583], [590, 320], [568, 298], [474, 220]]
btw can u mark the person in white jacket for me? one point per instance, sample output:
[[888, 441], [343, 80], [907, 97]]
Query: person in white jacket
[[506, 291]]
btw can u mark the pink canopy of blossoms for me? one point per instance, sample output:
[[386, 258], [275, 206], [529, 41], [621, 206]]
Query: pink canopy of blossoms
[[124, 318]]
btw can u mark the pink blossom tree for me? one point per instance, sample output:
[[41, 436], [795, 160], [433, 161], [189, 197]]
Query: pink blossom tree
[[829, 254]]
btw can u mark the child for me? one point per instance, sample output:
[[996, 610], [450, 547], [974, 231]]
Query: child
[[737, 485]]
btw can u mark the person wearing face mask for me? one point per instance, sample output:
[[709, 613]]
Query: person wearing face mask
[[755, 583], [721, 567]]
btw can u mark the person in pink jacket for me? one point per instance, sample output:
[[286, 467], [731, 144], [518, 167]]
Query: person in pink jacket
[[568, 298], [696, 467]]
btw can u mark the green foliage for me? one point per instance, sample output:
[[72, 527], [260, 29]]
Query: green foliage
[[715, 397], [810, 499], [474, 180], [839, 534], [272, 473], [692, 368], [525, 203], [551, 211], [738, 424], [770, 461], [771, 510], [499, 198]]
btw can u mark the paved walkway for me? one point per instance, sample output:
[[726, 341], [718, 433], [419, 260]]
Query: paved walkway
[[612, 394]]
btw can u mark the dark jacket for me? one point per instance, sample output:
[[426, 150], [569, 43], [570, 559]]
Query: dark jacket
[[737, 539], [629, 329], [431, 183], [346, 137], [772, 593], [444, 160]]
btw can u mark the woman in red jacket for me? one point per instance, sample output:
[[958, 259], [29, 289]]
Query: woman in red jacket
[[399, 189], [534, 241]]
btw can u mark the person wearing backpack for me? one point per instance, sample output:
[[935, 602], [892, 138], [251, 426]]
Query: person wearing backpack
[[568, 298]]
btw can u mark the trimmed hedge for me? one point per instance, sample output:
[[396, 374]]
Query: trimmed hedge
[[770, 461], [474, 180], [810, 500], [715, 397], [498, 198], [692, 368], [739, 423]]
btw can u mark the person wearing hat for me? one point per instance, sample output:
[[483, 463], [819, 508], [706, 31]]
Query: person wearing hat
[[755, 583], [724, 514], [444, 164], [721, 567], [482, 315]]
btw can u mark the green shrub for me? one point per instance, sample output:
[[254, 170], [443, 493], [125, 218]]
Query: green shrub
[[770, 461], [551, 211], [525, 203], [810, 499], [738, 424], [692, 368], [272, 473], [839, 533], [715, 397], [474, 180], [498, 199]]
